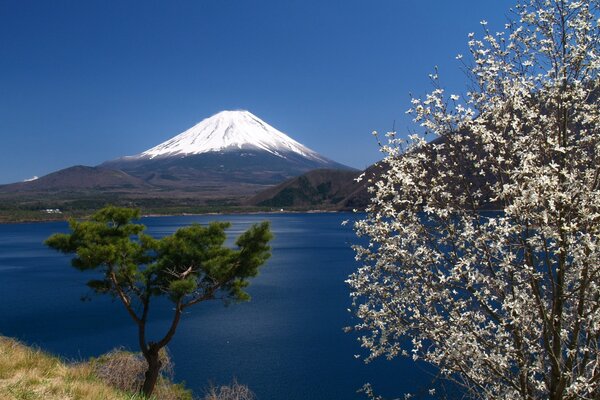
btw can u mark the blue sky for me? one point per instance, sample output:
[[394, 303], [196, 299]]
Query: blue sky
[[82, 82]]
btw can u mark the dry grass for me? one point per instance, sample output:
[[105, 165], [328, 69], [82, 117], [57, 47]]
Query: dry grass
[[125, 370], [29, 374], [234, 391]]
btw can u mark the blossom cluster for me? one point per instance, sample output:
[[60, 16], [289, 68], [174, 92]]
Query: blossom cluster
[[482, 252]]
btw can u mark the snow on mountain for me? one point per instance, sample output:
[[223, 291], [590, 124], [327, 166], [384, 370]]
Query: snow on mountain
[[226, 131]]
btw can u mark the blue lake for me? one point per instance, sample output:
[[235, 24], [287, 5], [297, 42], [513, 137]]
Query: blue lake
[[286, 343]]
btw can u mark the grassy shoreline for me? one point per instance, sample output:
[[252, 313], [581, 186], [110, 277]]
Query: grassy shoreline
[[28, 373]]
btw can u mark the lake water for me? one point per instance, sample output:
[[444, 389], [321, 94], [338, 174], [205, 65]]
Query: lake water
[[286, 343]]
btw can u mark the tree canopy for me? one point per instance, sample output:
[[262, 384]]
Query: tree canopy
[[190, 266], [504, 303]]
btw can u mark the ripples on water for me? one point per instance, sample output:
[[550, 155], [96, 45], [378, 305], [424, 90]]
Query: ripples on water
[[286, 343]]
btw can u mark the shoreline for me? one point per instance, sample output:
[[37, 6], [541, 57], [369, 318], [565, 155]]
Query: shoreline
[[179, 214]]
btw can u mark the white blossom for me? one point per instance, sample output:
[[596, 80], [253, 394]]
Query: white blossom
[[505, 303]]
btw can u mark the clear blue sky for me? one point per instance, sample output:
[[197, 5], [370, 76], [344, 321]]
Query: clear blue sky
[[82, 82]]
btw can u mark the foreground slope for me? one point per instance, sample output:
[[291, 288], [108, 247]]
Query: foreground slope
[[26, 373]]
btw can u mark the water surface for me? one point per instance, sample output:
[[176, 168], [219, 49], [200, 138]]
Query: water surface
[[286, 343]]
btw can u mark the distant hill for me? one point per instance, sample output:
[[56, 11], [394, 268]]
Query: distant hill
[[339, 190], [323, 188], [79, 178]]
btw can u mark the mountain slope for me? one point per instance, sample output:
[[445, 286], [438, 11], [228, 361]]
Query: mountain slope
[[214, 165], [318, 190], [79, 177], [323, 188], [28, 373], [229, 131], [229, 148]]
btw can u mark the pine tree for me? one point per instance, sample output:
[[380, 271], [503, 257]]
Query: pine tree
[[188, 267]]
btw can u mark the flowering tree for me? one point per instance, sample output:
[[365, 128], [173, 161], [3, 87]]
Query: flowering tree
[[506, 303]]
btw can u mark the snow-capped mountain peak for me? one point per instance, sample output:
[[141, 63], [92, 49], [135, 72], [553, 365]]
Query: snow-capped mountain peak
[[226, 131]]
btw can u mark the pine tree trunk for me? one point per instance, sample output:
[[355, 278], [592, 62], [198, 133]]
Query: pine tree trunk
[[151, 375]]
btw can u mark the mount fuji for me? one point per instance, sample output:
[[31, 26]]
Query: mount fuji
[[228, 131], [229, 148], [220, 162]]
